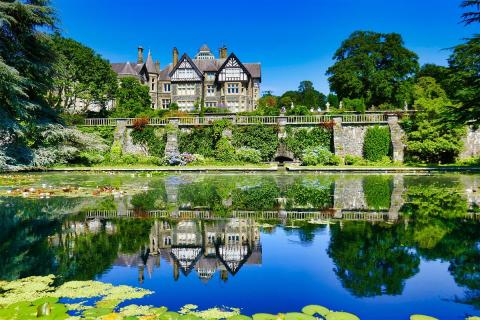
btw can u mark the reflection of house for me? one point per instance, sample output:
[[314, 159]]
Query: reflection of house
[[207, 247]]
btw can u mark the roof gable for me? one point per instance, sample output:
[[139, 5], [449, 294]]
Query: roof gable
[[186, 70], [233, 70]]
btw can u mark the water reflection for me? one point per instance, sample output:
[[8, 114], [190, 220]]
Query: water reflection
[[378, 231]]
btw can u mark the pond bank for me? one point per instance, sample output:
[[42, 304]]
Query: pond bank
[[272, 168]]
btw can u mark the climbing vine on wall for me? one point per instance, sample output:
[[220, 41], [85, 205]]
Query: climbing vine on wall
[[260, 137], [154, 139], [298, 140]]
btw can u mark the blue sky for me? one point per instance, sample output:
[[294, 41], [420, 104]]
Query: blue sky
[[294, 40]]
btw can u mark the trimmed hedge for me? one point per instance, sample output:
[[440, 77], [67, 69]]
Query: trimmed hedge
[[377, 144]]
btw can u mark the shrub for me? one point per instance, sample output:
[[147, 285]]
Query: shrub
[[105, 133], [355, 105], [198, 141], [317, 156], [115, 152], [298, 140], [180, 159], [90, 157], [249, 155], [260, 137], [173, 106], [351, 160], [140, 123], [298, 111], [377, 143], [224, 151]]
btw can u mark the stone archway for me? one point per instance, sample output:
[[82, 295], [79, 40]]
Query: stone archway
[[283, 155]]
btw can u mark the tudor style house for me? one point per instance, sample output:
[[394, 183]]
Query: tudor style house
[[223, 82]]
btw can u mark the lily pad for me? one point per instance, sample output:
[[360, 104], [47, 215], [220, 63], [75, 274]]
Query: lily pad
[[264, 316], [239, 317], [338, 315], [169, 315], [298, 316], [40, 301], [314, 309], [421, 317], [473, 318], [96, 312]]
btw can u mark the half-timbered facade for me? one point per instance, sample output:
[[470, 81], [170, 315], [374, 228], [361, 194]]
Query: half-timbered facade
[[224, 82]]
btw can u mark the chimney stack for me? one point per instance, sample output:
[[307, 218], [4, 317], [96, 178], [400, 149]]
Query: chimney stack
[[140, 55], [175, 56], [157, 65], [223, 52]]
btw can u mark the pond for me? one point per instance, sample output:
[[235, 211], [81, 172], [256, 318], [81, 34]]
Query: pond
[[379, 246]]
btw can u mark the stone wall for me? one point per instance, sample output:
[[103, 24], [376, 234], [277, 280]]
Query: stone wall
[[471, 144]]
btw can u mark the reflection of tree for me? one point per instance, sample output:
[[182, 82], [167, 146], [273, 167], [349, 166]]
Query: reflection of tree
[[154, 198], [26, 225], [311, 192], [209, 192], [437, 213], [305, 230], [371, 259]]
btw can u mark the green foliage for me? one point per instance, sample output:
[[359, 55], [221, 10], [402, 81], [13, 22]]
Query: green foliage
[[298, 110], [260, 137], [333, 100], [105, 133], [80, 73], [431, 138], [373, 66], [132, 99], [465, 81], [259, 197], [314, 193], [155, 140], [357, 104], [298, 140], [378, 191], [313, 156], [199, 141], [248, 155], [173, 106], [377, 144], [224, 151], [352, 160]]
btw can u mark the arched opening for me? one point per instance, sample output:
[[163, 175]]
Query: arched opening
[[283, 159]]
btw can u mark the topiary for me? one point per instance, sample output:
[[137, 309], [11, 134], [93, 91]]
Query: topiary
[[377, 143]]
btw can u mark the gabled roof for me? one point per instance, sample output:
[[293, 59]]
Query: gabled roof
[[127, 69], [194, 66], [165, 73], [233, 56]]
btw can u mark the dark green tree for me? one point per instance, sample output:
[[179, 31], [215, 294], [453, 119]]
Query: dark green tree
[[431, 138], [80, 73], [373, 66], [132, 99], [26, 67], [465, 81], [471, 16]]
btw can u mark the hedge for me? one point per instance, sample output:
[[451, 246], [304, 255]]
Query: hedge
[[260, 137], [377, 143]]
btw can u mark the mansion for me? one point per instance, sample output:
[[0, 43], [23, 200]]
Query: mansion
[[223, 82]]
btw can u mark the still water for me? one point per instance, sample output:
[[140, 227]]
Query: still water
[[382, 247]]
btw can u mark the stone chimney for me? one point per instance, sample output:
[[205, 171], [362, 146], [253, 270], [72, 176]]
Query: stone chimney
[[140, 55], [223, 52], [157, 65], [175, 56]]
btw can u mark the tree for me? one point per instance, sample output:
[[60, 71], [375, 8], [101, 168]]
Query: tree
[[26, 66], [431, 138], [132, 99], [373, 66], [471, 16], [465, 81], [80, 74], [333, 100], [309, 96], [441, 75]]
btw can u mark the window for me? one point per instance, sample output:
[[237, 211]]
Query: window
[[186, 74], [232, 88], [153, 105], [166, 87], [153, 84], [186, 89], [165, 103], [210, 104], [186, 105], [211, 76], [210, 91]]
